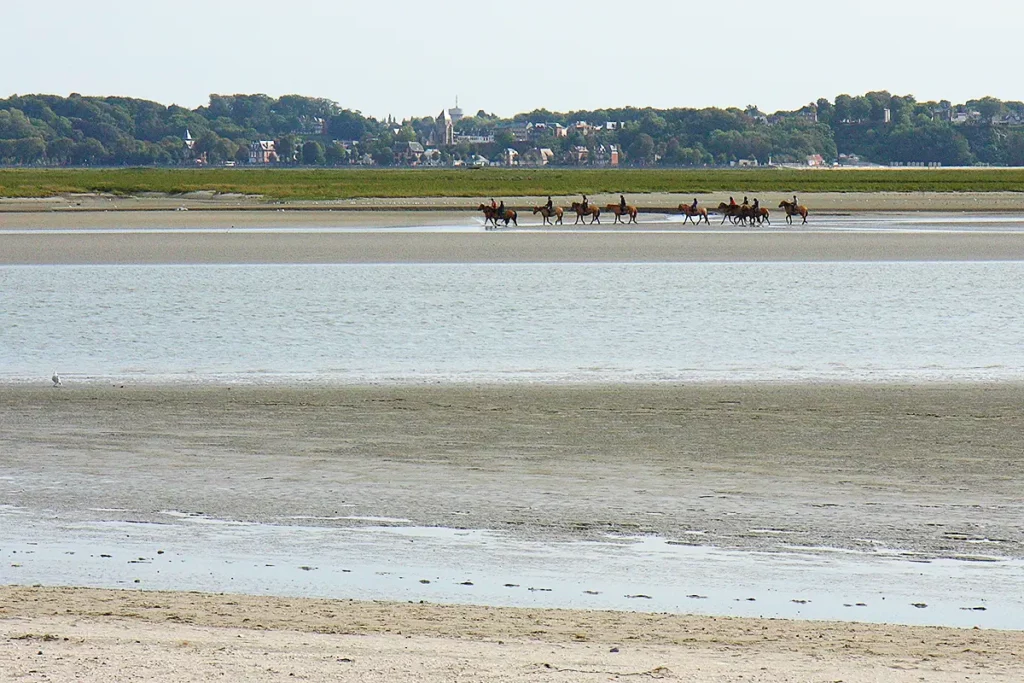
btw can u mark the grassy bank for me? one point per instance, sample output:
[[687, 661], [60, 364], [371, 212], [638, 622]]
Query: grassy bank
[[298, 184]]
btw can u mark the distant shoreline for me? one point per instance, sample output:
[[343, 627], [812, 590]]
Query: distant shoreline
[[822, 203]]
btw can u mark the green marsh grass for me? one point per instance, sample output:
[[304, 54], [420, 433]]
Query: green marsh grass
[[324, 184]]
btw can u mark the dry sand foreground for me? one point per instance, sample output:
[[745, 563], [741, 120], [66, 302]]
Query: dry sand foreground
[[100, 635]]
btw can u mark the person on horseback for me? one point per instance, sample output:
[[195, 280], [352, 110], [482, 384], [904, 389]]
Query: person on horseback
[[622, 203], [494, 204], [550, 206], [501, 209], [732, 203], [586, 204], [795, 204], [745, 202], [693, 207], [757, 206]]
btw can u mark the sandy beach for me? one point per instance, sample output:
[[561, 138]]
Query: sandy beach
[[822, 202], [928, 472], [117, 230], [82, 634], [930, 469]]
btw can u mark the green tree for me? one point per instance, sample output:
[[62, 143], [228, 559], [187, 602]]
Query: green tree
[[335, 154], [312, 153], [642, 149], [287, 149]]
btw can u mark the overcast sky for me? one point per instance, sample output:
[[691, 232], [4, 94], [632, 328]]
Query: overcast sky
[[412, 57]]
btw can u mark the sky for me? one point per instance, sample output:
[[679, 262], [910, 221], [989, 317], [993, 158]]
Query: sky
[[412, 58]]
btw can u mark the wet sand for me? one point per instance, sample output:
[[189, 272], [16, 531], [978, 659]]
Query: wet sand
[[933, 470], [929, 469], [100, 635], [147, 247], [207, 202]]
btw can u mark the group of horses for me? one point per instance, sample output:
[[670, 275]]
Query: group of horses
[[742, 214], [738, 214], [555, 214]]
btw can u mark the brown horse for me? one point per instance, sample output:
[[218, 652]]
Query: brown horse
[[546, 214], [761, 215], [733, 212], [593, 211], [792, 209], [492, 215], [619, 212], [689, 212]]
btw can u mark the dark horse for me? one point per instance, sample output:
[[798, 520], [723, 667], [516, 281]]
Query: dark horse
[[492, 215]]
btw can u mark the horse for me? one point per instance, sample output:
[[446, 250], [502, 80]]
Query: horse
[[619, 212], [793, 210], [547, 214], [762, 216], [689, 212], [733, 212], [592, 210], [510, 215], [492, 215]]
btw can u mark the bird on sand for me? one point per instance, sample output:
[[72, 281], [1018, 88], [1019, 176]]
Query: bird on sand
[[56, 379]]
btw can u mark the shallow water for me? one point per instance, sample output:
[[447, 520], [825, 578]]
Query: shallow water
[[904, 321], [193, 552]]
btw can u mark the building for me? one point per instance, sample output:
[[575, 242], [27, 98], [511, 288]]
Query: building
[[444, 129], [455, 112], [521, 132], [312, 125], [263, 152], [578, 155], [408, 153], [538, 156], [475, 139]]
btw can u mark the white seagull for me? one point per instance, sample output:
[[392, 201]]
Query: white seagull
[[56, 379]]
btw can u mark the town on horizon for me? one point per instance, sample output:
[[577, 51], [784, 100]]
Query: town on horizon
[[877, 128]]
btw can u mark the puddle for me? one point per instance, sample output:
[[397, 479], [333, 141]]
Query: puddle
[[467, 566]]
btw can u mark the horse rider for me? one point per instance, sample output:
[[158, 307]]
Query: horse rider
[[693, 207], [745, 202], [586, 204], [795, 204], [732, 203], [494, 204], [757, 206], [622, 203], [501, 209], [550, 206]]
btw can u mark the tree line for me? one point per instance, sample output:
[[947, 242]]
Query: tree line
[[49, 130]]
